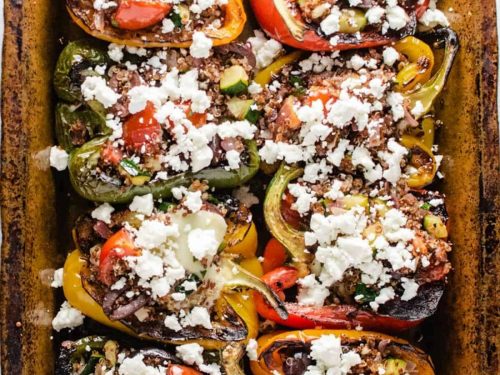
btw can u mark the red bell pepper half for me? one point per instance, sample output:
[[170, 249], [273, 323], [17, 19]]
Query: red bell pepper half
[[287, 26], [329, 317]]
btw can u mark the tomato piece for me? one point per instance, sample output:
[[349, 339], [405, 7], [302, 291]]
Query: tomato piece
[[119, 245], [142, 129], [318, 94], [421, 8], [291, 216], [275, 255], [181, 370], [137, 14], [197, 119], [287, 116]]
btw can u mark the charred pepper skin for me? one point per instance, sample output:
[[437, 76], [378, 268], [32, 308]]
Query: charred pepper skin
[[71, 69], [75, 126], [269, 361]]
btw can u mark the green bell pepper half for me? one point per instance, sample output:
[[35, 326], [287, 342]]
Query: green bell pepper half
[[83, 162], [76, 62]]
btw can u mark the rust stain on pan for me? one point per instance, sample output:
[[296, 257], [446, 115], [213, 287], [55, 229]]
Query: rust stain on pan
[[462, 338]]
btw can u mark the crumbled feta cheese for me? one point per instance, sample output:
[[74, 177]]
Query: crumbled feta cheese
[[211, 369], [251, 350], [104, 4], [190, 353], [357, 62], [167, 26], [142, 204], [57, 280], [103, 213], [418, 110], [330, 358], [115, 52], [433, 17], [152, 234], [135, 366], [397, 17], [331, 23], [193, 201], [96, 88], [254, 88], [305, 198], [58, 158], [171, 322], [201, 46], [203, 243], [390, 56], [410, 289], [311, 292], [375, 14], [233, 159], [119, 284], [385, 294], [67, 317], [265, 50]]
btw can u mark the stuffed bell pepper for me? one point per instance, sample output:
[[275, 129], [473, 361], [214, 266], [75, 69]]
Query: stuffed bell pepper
[[139, 121], [339, 25], [368, 112], [160, 23], [173, 273], [346, 254], [365, 244], [99, 355], [315, 352]]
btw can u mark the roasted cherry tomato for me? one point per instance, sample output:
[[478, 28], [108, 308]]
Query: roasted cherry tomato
[[139, 14], [142, 129], [116, 247]]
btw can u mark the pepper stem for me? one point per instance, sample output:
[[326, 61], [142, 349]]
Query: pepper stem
[[236, 277]]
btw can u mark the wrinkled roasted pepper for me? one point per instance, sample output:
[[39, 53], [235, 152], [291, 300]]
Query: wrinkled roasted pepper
[[283, 21], [76, 123], [285, 352], [414, 80], [81, 129], [133, 19], [82, 293]]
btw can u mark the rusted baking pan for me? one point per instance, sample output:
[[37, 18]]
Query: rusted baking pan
[[37, 213]]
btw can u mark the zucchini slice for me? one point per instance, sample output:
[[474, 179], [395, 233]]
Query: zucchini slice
[[234, 80], [241, 109]]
